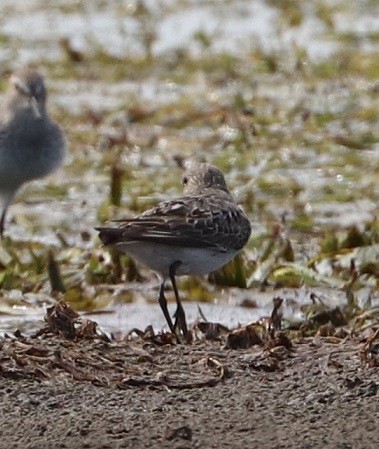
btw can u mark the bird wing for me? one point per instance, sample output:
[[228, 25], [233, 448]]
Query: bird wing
[[205, 222]]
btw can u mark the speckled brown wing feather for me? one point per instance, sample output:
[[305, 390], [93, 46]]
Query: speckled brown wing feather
[[205, 221]]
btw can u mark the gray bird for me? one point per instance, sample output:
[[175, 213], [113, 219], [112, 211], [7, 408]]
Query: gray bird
[[31, 144], [192, 235]]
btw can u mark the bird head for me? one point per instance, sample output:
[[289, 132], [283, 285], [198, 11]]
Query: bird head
[[200, 177], [27, 89]]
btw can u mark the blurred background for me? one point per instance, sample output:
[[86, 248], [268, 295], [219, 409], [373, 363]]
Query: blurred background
[[283, 96]]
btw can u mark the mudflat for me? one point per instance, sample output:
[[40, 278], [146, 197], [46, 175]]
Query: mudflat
[[93, 392]]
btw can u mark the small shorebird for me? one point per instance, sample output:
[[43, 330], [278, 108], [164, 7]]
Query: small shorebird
[[31, 144], [192, 235]]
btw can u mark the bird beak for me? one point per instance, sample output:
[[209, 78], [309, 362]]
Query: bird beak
[[35, 107]]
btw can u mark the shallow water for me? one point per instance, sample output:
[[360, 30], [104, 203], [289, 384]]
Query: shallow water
[[120, 317], [235, 27]]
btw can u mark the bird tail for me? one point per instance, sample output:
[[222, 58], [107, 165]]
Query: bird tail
[[109, 236]]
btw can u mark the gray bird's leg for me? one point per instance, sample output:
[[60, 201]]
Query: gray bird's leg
[[2, 222], [5, 200]]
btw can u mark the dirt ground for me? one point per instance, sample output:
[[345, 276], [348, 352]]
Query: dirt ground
[[87, 391]]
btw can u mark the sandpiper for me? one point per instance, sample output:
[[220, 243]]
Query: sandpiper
[[194, 234], [31, 144]]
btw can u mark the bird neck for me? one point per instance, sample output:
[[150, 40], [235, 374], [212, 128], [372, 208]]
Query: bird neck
[[205, 191], [16, 108]]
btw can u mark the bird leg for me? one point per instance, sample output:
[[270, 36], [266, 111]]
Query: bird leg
[[5, 203], [2, 222], [163, 303], [180, 316]]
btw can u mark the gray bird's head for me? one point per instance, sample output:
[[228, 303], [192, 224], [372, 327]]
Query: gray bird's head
[[27, 90], [199, 178]]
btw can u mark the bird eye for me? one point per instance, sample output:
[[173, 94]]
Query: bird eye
[[185, 180]]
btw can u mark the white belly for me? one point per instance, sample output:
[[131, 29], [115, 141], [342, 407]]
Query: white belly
[[194, 261]]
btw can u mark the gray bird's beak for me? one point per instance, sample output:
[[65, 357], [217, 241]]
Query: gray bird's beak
[[35, 107]]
